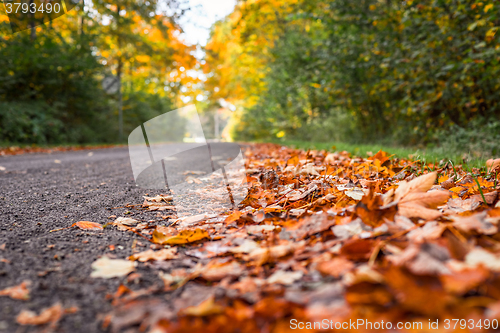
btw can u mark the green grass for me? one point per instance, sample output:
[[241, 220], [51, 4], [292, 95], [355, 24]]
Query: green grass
[[428, 155]]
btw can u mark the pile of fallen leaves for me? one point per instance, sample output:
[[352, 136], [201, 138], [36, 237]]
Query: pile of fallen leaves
[[323, 236], [319, 236], [15, 150]]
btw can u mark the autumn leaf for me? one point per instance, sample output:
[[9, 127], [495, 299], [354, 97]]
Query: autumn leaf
[[149, 255], [493, 164], [20, 291], [184, 237], [233, 217], [205, 308], [371, 210], [107, 268], [87, 225], [414, 201], [50, 315]]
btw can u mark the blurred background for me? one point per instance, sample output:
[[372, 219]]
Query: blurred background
[[405, 73]]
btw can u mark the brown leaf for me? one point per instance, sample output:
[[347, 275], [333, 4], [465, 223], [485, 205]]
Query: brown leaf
[[463, 281], [418, 185], [476, 222], [50, 315], [414, 200], [205, 308], [161, 255], [216, 270], [371, 211], [335, 267], [358, 249], [492, 164], [87, 225], [20, 291]]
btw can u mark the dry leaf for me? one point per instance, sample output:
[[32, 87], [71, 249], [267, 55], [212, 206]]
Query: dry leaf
[[335, 267], [285, 277], [492, 164], [371, 211], [50, 315], [184, 237], [414, 200], [216, 271], [20, 291], [125, 221], [205, 308], [87, 225], [107, 268], [476, 222], [479, 256], [163, 254]]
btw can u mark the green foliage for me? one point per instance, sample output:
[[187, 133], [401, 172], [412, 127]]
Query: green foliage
[[380, 70], [49, 91], [50, 76]]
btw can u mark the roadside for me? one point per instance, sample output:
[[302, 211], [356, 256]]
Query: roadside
[[426, 155], [25, 149]]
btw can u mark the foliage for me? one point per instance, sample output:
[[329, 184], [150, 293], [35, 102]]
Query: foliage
[[50, 77], [365, 70]]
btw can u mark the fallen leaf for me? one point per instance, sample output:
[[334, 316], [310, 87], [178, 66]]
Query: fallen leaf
[[205, 308], [476, 222], [414, 200], [335, 267], [285, 277], [20, 291], [355, 193], [478, 256], [87, 225], [125, 221], [247, 246], [163, 254], [184, 237], [107, 268], [233, 217], [492, 164], [50, 315], [263, 255], [216, 271], [372, 212]]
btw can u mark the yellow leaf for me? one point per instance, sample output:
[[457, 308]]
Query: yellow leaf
[[491, 33], [184, 237], [443, 179], [456, 189], [488, 7], [294, 160], [233, 217], [87, 225], [142, 58]]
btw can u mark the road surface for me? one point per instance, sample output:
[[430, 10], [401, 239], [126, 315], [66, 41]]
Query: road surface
[[42, 192]]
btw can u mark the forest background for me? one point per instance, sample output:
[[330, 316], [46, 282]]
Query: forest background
[[401, 73]]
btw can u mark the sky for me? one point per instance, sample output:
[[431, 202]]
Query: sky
[[204, 13]]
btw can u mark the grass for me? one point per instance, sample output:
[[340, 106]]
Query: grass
[[428, 155]]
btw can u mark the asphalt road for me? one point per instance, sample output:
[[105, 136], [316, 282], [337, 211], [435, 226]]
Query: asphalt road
[[42, 192]]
